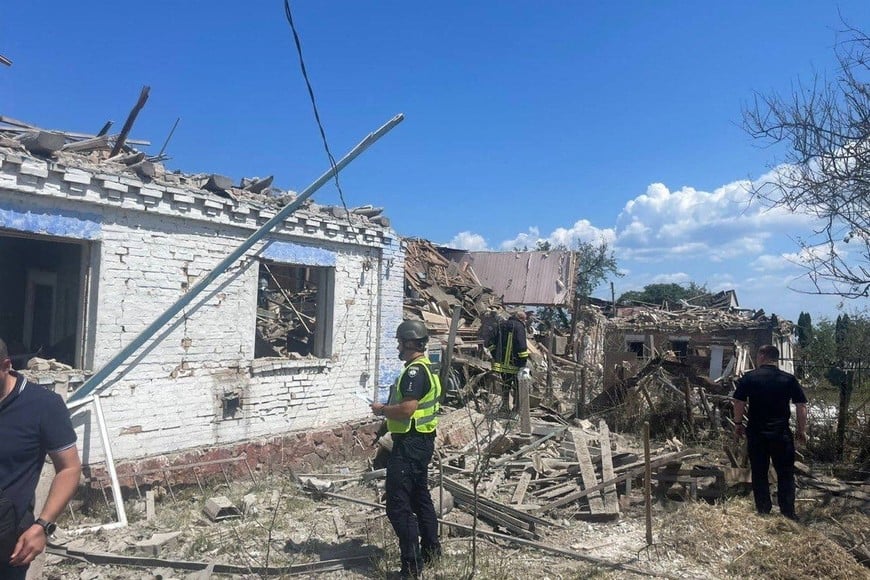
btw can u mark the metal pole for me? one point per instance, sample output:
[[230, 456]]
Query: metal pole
[[96, 380], [647, 484], [110, 463]]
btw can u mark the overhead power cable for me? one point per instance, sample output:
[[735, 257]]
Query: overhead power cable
[[289, 15]]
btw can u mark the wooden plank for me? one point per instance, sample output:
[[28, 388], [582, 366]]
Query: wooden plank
[[522, 486], [531, 446], [625, 476], [611, 500], [460, 491], [556, 490], [340, 526], [491, 486], [587, 471]]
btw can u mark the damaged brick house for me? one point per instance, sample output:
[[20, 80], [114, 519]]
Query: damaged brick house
[[704, 335], [95, 249]]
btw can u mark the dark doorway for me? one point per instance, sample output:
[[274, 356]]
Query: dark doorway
[[42, 297]]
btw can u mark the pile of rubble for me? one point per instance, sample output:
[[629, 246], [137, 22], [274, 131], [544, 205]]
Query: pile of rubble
[[115, 153], [529, 492]]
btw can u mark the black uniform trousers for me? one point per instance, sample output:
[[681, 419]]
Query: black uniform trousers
[[409, 504], [776, 446], [510, 389]]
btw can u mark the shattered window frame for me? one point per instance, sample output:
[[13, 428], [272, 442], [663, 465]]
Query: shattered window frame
[[294, 310]]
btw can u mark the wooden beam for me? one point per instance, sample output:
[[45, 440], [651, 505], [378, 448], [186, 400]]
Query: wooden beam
[[611, 501], [587, 471], [531, 446], [522, 487], [131, 118]]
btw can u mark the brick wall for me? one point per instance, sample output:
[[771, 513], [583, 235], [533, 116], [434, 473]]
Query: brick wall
[[150, 243]]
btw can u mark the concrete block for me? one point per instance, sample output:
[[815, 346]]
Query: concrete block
[[153, 545], [221, 508]]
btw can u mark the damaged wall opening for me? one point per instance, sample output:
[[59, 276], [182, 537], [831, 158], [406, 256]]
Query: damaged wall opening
[[294, 310], [43, 300], [637, 345], [680, 347]]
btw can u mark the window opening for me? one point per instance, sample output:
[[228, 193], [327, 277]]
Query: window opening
[[637, 347], [231, 405], [680, 348], [294, 311], [43, 294]]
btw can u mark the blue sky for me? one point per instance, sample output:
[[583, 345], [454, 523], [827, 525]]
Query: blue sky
[[524, 120]]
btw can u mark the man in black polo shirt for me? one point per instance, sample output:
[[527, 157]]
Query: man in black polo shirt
[[33, 422], [769, 392]]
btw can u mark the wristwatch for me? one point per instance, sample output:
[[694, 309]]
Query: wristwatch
[[48, 527]]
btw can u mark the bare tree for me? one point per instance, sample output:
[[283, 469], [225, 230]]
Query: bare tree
[[826, 129]]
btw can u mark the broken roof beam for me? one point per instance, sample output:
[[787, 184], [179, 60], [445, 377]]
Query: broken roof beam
[[131, 118]]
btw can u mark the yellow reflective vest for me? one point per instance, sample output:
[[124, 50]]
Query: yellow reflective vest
[[425, 418]]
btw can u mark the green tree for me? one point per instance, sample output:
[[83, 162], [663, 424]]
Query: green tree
[[663, 294], [824, 127], [593, 264], [841, 337], [805, 329]]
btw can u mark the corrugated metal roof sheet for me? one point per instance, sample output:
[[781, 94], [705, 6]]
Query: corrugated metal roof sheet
[[530, 278]]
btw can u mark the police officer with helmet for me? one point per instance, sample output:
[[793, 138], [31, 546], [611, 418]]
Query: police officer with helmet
[[412, 415]]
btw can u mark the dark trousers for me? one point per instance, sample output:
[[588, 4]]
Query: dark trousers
[[13, 572], [509, 389], [409, 504], [776, 447]]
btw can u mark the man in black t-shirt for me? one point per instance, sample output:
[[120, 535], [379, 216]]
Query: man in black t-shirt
[[769, 393], [33, 422]]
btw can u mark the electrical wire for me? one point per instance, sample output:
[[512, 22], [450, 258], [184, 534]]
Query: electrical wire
[[289, 15]]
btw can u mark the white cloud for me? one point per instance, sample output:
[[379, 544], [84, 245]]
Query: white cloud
[[468, 241], [774, 262], [660, 225], [675, 278], [722, 239], [581, 231]]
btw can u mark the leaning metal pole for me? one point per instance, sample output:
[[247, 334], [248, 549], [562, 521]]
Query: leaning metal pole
[[93, 383]]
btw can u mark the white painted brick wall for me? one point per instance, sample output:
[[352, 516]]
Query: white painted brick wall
[[169, 399]]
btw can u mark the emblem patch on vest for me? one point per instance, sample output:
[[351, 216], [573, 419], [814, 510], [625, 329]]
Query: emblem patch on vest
[[412, 373]]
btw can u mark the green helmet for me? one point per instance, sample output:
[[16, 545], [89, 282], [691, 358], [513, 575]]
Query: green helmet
[[412, 330]]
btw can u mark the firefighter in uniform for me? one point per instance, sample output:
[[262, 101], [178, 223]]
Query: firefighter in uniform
[[411, 414], [510, 352]]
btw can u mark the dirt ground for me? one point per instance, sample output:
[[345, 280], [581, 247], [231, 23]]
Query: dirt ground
[[281, 524]]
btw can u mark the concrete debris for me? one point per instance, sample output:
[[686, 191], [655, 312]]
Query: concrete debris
[[221, 508], [43, 365], [315, 484], [156, 543]]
